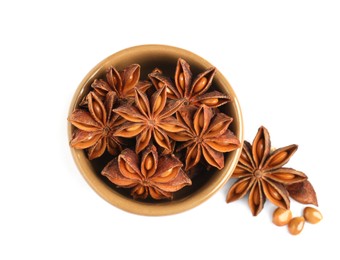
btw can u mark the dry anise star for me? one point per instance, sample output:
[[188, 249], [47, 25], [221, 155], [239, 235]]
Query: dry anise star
[[261, 173], [157, 177], [95, 127], [207, 136], [123, 83], [147, 119], [192, 91]]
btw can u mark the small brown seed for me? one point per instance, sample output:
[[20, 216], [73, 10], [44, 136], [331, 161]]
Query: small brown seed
[[148, 162], [169, 91], [278, 159], [312, 215], [284, 176], [133, 128], [282, 216], [172, 128], [143, 105], [129, 168], [143, 138], [140, 190], [295, 225], [274, 193], [97, 110], [131, 78], [222, 146], [158, 136], [241, 187], [194, 154], [158, 103], [201, 83], [256, 197], [260, 148], [85, 143], [167, 173], [201, 120], [181, 80], [216, 129], [210, 101]]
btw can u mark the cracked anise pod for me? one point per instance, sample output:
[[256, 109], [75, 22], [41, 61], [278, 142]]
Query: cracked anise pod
[[150, 118], [95, 127], [207, 136], [260, 172], [303, 192], [193, 91], [148, 175]]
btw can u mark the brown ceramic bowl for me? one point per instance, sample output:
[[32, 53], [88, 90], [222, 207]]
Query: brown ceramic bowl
[[204, 185]]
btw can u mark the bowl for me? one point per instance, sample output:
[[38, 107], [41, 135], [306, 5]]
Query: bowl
[[205, 184]]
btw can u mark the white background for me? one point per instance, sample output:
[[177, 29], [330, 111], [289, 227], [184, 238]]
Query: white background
[[282, 59]]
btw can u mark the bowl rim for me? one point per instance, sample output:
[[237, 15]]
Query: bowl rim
[[154, 209]]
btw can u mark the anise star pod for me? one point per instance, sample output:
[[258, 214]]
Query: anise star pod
[[95, 127], [260, 172], [147, 174], [192, 90], [147, 119], [123, 83], [207, 136]]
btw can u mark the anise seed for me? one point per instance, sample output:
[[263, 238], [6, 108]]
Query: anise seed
[[128, 168], [210, 101], [279, 158], [132, 128], [97, 110], [158, 103], [312, 215], [282, 216], [241, 187], [202, 82], [159, 136], [274, 193], [148, 162], [285, 176], [181, 80], [260, 148], [295, 225], [201, 120], [169, 91], [256, 197], [167, 173]]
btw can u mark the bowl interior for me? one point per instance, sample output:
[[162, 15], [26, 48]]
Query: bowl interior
[[203, 184]]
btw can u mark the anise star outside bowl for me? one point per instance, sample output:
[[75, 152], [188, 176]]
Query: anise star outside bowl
[[204, 184]]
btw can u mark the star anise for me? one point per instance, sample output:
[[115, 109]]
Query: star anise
[[157, 177], [260, 172], [193, 91], [150, 118], [163, 128], [123, 83], [207, 136], [95, 127]]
